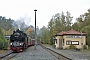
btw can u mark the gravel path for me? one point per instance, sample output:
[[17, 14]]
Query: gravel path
[[38, 54]]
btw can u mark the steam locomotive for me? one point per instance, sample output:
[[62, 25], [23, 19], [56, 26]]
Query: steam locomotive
[[19, 41]]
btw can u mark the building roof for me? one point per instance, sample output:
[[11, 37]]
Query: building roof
[[71, 32]]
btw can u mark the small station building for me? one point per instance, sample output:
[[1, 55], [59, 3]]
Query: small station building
[[66, 38]]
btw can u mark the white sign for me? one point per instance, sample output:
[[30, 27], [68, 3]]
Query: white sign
[[74, 42]]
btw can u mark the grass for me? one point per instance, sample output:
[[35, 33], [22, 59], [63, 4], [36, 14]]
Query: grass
[[2, 51], [47, 45], [86, 50]]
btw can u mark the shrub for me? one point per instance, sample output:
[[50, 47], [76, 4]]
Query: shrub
[[85, 47], [1, 45], [72, 47], [5, 45]]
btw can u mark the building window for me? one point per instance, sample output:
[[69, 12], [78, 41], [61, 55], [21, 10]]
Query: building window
[[73, 36], [63, 40], [56, 41], [72, 42], [68, 42]]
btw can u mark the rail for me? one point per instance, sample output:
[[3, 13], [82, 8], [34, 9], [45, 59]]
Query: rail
[[56, 54]]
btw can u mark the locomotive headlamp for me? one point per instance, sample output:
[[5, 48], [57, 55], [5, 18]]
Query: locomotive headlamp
[[10, 43], [21, 43]]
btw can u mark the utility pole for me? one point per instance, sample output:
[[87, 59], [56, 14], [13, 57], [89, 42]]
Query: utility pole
[[35, 30]]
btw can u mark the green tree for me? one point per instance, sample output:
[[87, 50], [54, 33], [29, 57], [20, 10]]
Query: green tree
[[75, 26], [2, 40], [83, 25], [44, 33], [59, 22], [6, 25], [86, 30], [0, 17], [68, 21], [63, 22]]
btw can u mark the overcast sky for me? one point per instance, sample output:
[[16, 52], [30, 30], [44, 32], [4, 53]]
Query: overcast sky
[[17, 9]]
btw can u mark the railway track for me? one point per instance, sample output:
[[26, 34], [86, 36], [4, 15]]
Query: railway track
[[8, 56], [57, 55]]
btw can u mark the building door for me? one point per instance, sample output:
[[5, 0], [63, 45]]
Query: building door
[[60, 43]]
